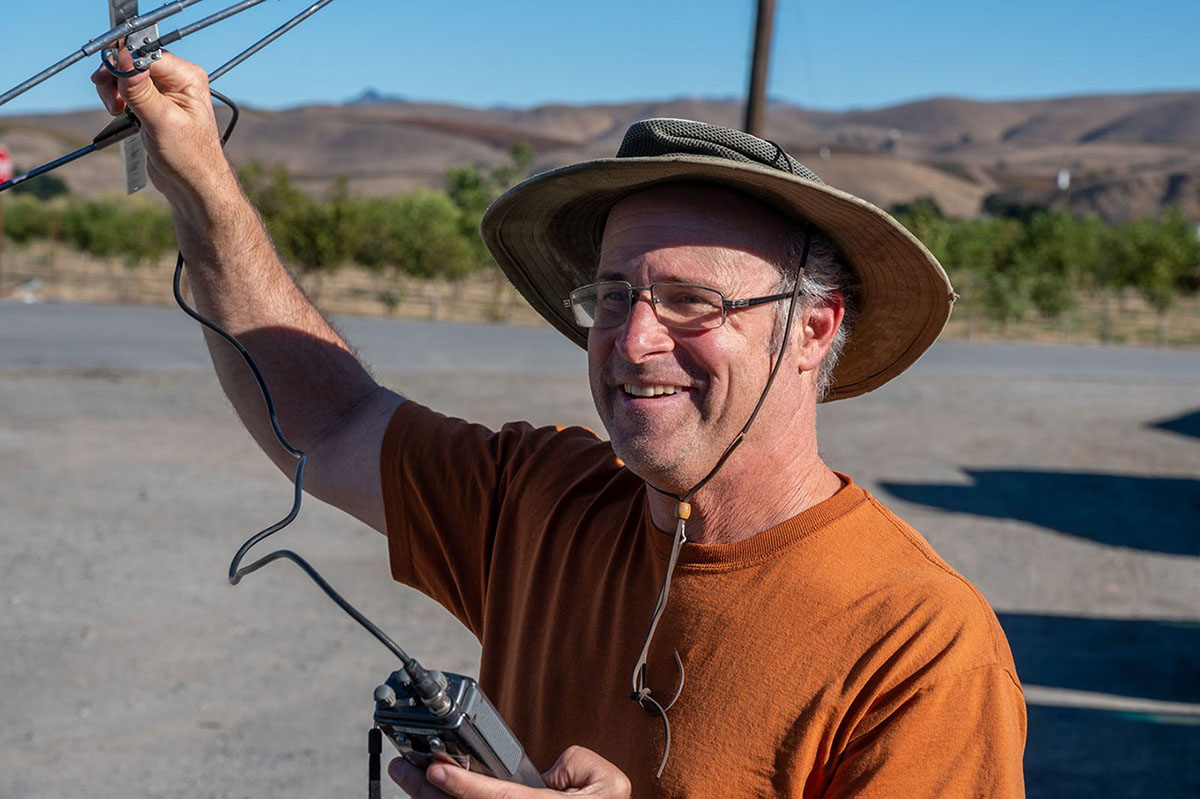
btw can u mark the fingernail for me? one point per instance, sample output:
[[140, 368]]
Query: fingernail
[[436, 775]]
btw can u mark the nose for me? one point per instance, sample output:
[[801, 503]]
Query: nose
[[642, 334]]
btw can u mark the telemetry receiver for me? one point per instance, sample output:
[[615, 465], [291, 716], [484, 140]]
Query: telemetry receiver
[[455, 723]]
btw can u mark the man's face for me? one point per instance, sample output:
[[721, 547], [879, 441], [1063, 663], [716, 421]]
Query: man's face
[[704, 384]]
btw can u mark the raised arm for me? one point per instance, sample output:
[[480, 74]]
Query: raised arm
[[328, 405]]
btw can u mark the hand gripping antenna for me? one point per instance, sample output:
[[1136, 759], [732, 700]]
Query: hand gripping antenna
[[138, 35]]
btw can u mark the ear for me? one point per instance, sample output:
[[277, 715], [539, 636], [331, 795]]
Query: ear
[[816, 330]]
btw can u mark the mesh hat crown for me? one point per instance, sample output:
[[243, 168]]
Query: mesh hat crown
[[545, 234]]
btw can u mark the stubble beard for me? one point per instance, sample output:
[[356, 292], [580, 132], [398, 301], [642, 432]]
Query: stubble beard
[[668, 453]]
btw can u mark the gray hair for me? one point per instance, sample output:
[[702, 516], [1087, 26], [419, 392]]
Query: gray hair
[[825, 274]]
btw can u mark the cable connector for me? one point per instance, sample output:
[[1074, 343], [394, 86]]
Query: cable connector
[[430, 689]]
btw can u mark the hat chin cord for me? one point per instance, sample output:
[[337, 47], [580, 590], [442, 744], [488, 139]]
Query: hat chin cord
[[641, 692]]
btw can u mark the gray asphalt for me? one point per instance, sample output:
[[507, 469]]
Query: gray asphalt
[[65, 336], [1063, 481]]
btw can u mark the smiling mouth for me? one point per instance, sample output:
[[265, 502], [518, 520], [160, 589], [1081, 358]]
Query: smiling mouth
[[651, 391]]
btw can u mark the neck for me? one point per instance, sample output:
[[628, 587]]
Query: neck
[[750, 495]]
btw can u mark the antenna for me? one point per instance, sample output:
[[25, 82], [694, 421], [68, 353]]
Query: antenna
[[133, 152], [138, 35]]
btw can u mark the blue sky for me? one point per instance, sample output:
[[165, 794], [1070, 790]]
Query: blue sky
[[827, 54]]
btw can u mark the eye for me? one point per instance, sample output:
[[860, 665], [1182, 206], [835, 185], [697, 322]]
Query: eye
[[684, 297], [617, 295]]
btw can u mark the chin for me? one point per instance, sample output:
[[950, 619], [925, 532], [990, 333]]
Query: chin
[[663, 464]]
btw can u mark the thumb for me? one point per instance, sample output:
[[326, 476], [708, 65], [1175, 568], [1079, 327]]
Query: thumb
[[581, 770], [138, 91], [170, 84], [141, 96]]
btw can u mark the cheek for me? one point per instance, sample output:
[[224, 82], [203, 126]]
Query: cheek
[[599, 350], [736, 373]]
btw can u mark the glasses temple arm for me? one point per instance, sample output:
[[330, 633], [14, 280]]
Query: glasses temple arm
[[752, 301]]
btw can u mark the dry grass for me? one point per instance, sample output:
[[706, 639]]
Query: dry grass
[[44, 273]]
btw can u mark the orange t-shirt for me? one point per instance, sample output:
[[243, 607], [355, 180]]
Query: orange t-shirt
[[833, 655]]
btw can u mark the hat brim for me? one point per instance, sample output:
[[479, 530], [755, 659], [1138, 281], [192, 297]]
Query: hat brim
[[545, 234]]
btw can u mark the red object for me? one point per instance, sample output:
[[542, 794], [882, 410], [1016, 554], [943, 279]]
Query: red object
[[6, 164]]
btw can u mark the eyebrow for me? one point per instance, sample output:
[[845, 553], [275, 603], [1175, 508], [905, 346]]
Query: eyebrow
[[610, 274]]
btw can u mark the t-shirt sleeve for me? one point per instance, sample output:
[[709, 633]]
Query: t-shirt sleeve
[[445, 483], [961, 736]]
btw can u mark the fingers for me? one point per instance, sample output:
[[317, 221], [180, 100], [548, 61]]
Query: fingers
[[145, 93], [578, 771], [412, 780], [458, 783], [172, 75], [106, 88], [179, 128], [171, 82], [581, 768], [109, 87], [450, 781]]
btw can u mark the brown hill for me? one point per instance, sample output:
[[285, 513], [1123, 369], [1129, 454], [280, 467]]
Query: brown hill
[[1128, 155]]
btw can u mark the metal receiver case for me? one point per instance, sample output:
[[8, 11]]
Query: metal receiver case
[[471, 733]]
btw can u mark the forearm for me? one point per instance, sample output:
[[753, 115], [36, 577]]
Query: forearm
[[327, 404], [238, 281]]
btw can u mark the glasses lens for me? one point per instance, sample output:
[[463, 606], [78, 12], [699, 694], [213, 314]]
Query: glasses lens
[[689, 307], [601, 304]]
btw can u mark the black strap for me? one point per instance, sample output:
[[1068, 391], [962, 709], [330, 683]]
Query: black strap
[[374, 748]]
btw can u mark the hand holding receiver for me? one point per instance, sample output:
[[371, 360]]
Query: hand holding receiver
[[578, 772], [436, 716], [173, 105]]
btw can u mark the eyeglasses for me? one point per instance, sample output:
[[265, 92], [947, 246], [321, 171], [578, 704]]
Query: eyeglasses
[[682, 306]]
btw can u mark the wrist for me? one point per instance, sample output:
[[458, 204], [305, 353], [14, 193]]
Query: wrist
[[212, 214], [203, 193]]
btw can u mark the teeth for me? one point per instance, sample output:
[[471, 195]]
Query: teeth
[[650, 391]]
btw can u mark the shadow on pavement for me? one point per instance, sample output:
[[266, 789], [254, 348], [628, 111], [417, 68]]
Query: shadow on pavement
[[1186, 425], [1144, 658], [1092, 752], [1158, 514], [1080, 753]]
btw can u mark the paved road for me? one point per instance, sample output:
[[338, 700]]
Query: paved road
[[1063, 481], [107, 337]]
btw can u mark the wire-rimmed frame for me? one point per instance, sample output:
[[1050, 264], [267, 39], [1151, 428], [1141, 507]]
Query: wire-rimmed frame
[[681, 306]]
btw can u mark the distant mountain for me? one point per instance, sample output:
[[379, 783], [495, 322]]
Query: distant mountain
[[1127, 155], [374, 97]]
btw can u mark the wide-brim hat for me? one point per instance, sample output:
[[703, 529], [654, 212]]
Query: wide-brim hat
[[545, 234]]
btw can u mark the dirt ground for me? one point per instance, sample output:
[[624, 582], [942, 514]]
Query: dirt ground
[[1065, 483]]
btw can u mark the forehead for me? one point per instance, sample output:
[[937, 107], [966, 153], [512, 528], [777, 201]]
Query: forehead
[[694, 230]]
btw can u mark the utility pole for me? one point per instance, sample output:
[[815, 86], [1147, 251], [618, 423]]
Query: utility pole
[[757, 95]]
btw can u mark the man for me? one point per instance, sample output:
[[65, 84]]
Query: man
[[828, 651]]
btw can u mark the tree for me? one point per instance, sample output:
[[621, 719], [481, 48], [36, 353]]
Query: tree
[[314, 237], [95, 227], [147, 233], [926, 221], [1161, 261], [417, 234], [43, 187], [127, 228], [473, 188], [998, 282], [1048, 250], [27, 219]]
